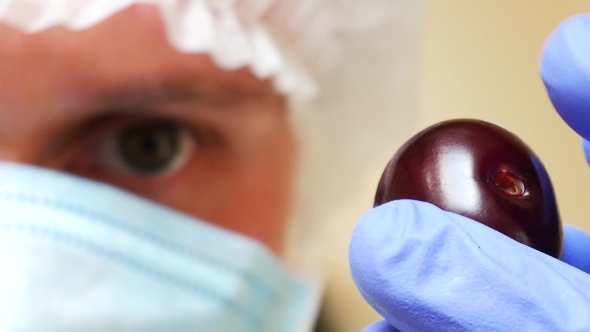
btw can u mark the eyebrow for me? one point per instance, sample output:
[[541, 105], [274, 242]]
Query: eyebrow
[[149, 93]]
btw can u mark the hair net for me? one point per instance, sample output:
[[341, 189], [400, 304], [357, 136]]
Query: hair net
[[282, 39], [361, 56]]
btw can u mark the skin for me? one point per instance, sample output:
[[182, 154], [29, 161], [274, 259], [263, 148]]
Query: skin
[[64, 93]]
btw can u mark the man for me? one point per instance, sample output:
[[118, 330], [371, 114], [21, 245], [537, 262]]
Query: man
[[148, 161], [119, 104]]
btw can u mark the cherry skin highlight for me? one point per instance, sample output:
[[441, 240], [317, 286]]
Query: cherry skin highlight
[[483, 172]]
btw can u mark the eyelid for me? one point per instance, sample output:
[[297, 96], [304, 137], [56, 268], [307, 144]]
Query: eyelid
[[82, 140]]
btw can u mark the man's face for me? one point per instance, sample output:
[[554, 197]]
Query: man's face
[[116, 103]]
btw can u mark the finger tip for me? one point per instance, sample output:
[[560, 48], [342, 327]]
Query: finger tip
[[383, 226], [565, 71], [377, 245], [371, 235], [576, 248], [389, 245]]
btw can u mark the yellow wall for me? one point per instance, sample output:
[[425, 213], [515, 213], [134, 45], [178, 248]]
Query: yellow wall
[[480, 60]]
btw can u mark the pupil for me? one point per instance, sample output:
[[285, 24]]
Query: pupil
[[150, 147], [150, 144], [510, 184]]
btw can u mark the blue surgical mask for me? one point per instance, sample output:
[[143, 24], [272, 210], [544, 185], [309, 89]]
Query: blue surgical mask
[[77, 255]]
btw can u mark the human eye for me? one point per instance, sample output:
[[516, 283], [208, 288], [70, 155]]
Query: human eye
[[135, 152], [152, 147]]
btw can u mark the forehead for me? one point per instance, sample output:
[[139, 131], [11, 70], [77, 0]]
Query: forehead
[[62, 66]]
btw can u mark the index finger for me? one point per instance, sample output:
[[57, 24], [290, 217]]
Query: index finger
[[565, 70]]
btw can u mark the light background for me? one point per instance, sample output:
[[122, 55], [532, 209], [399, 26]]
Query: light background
[[479, 60]]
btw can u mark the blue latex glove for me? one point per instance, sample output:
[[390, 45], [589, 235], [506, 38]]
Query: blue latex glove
[[425, 269], [586, 145], [565, 70]]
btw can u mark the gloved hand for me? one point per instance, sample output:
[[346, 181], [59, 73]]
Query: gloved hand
[[424, 269], [565, 70]]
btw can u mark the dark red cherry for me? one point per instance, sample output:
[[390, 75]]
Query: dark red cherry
[[483, 172]]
